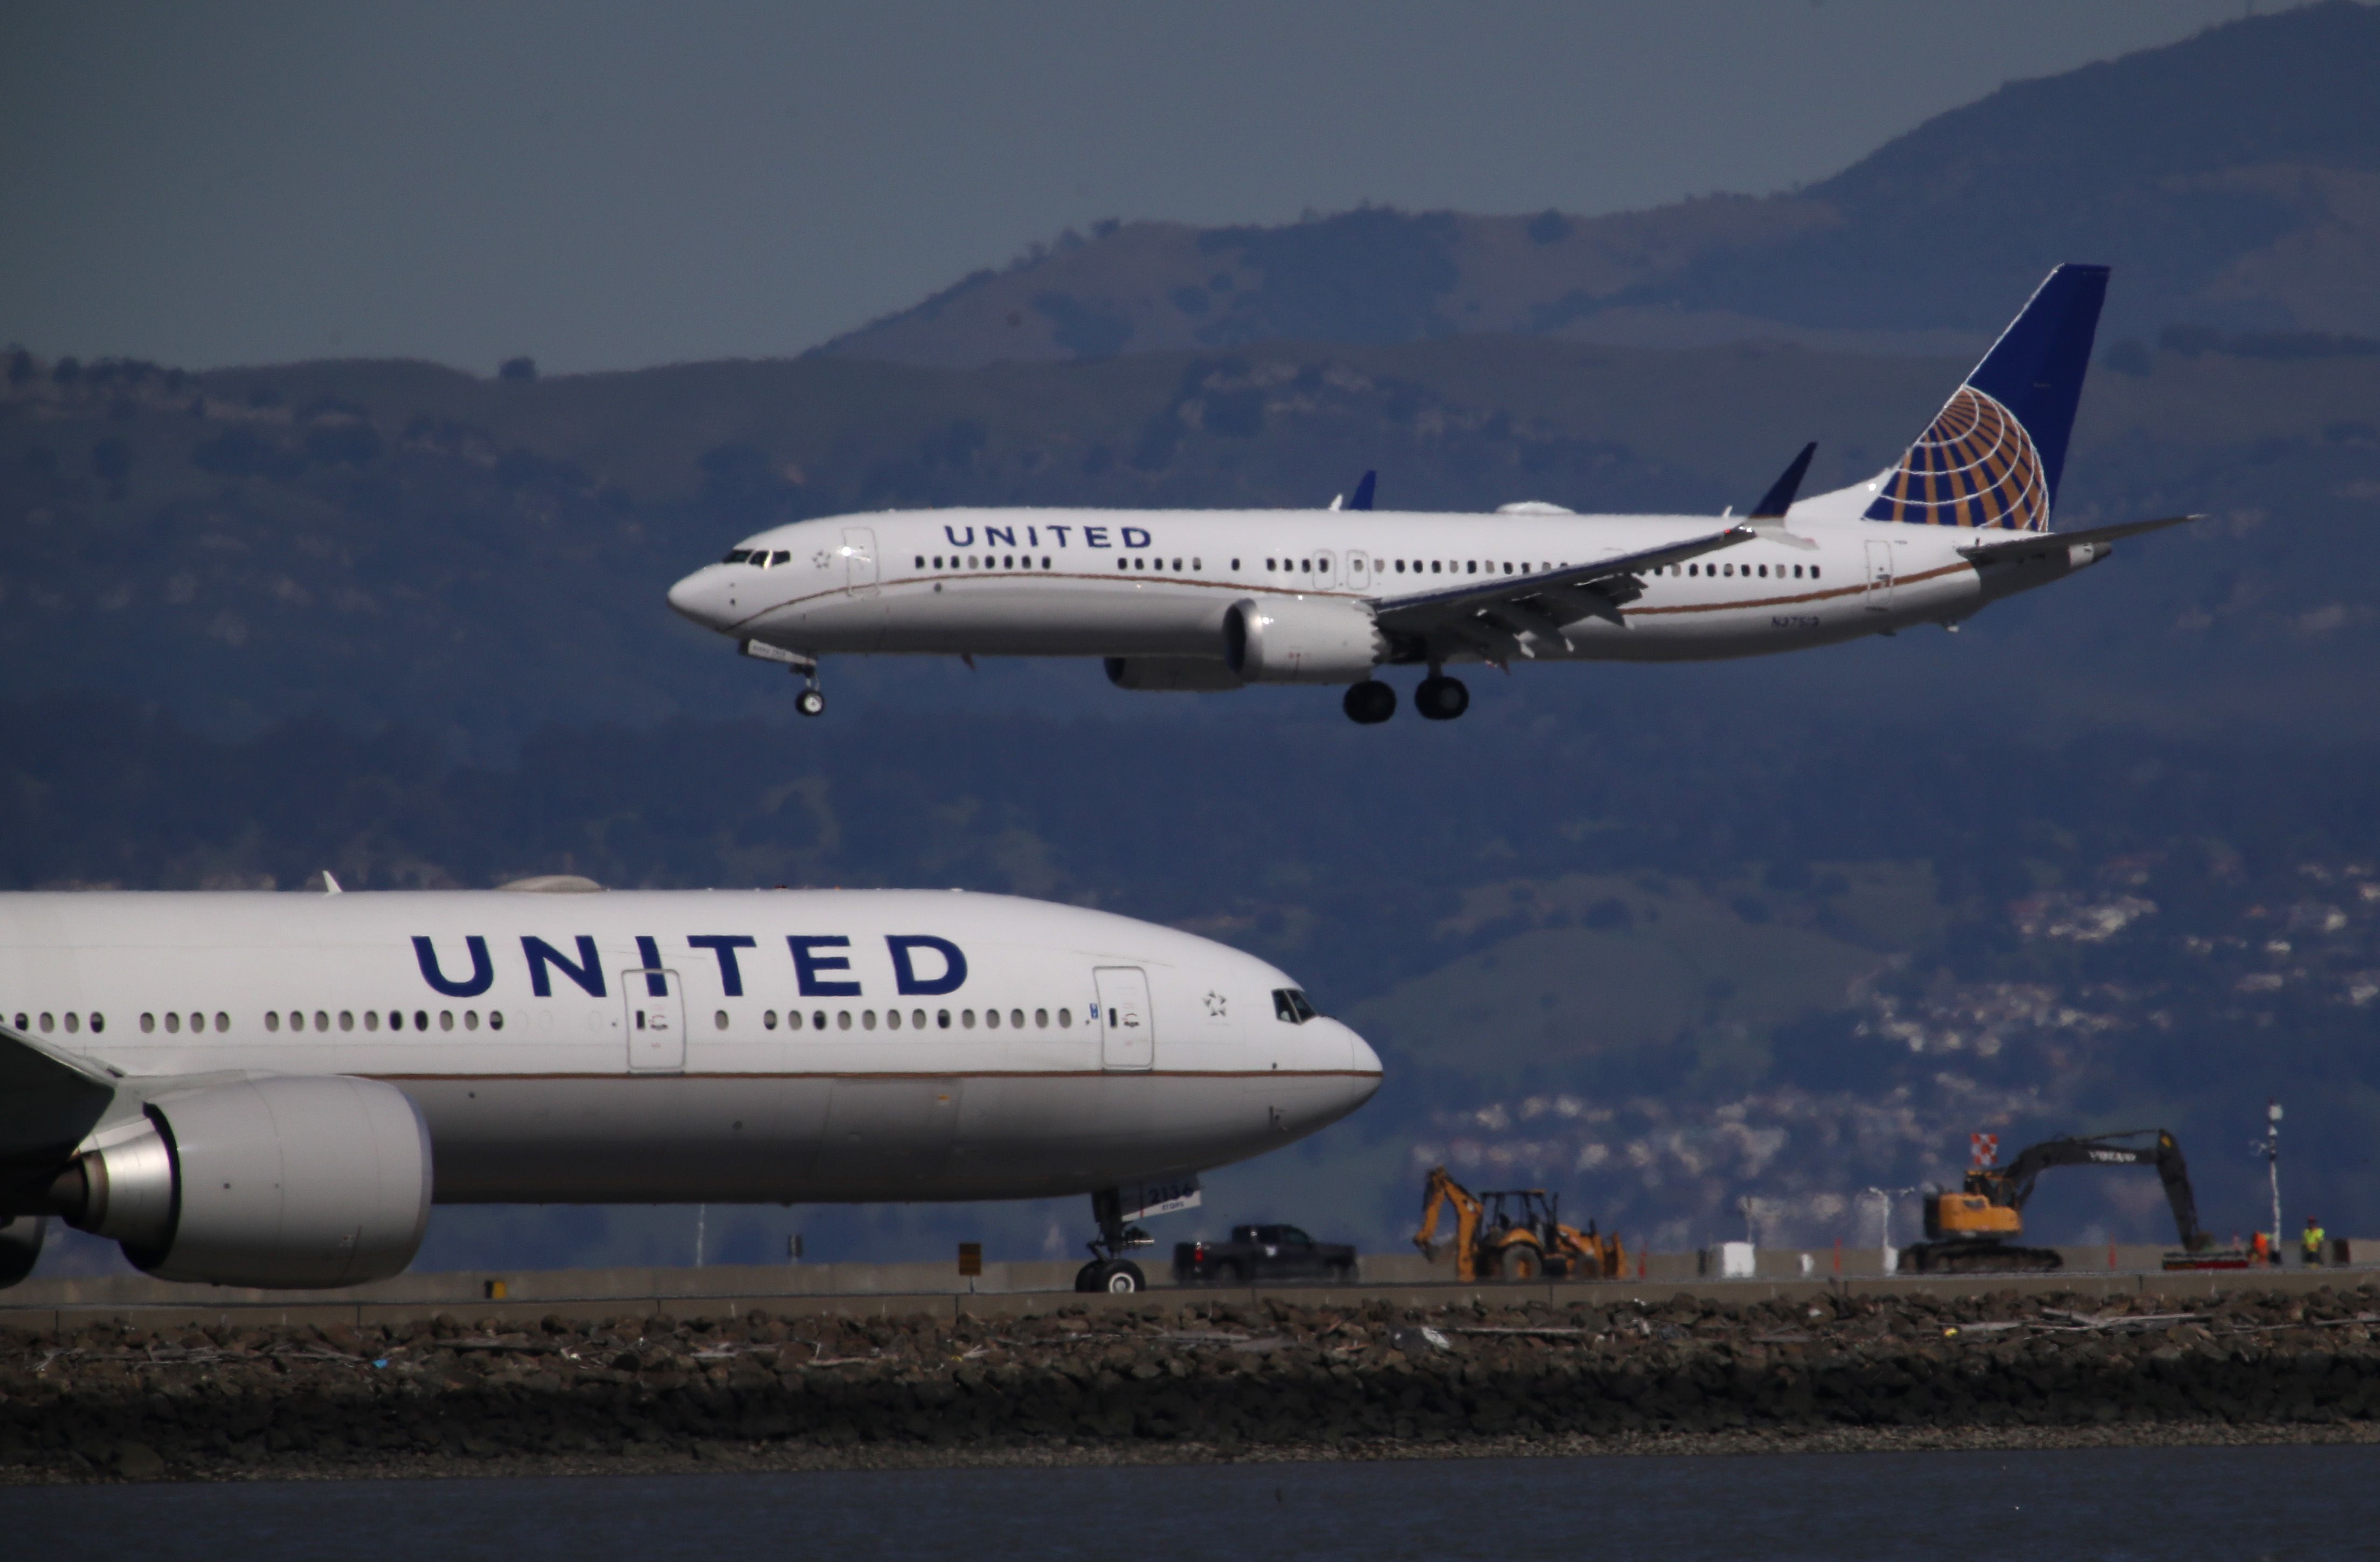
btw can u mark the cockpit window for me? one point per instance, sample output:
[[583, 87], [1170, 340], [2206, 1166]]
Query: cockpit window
[[1289, 1004], [782, 555], [737, 556]]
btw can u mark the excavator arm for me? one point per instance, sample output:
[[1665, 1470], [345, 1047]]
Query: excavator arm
[[1439, 1190], [2014, 1186]]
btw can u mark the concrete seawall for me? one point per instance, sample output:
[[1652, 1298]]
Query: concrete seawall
[[1021, 1288]]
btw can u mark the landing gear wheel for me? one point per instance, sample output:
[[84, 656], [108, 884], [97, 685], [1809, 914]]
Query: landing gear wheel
[[1117, 1276], [1441, 698], [1369, 702], [810, 703]]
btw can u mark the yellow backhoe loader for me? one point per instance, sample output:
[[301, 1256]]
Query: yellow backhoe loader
[[1513, 1234]]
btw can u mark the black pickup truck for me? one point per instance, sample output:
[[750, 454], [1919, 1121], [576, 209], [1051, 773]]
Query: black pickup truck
[[1262, 1252]]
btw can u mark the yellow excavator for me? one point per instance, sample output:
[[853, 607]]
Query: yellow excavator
[[1513, 1234]]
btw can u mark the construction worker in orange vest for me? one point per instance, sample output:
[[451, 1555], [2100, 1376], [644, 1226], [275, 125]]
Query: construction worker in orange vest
[[2313, 1240]]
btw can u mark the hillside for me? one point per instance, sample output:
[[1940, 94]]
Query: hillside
[[2233, 180], [404, 544]]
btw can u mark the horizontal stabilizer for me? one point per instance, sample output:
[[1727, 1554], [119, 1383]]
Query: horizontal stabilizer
[[2047, 541]]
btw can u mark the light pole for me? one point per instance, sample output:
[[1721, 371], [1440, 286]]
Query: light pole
[[2272, 1148]]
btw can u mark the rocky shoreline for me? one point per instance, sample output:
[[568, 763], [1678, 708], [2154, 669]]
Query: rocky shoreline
[[1188, 1380]]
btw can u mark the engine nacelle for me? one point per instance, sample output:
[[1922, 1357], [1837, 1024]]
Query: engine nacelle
[[1302, 640], [272, 1182], [1198, 675]]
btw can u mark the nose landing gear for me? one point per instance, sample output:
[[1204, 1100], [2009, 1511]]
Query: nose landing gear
[[1440, 697], [809, 701], [1109, 1270], [1369, 702]]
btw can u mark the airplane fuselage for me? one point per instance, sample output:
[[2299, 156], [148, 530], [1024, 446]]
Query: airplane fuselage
[[683, 1047], [1125, 583]]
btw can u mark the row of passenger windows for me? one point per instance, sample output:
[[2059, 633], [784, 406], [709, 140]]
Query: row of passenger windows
[[987, 561], [1759, 569], [75, 1022], [917, 1021], [761, 556], [371, 1020]]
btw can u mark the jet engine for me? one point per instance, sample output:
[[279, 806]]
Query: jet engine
[[1202, 674], [270, 1182], [1302, 640]]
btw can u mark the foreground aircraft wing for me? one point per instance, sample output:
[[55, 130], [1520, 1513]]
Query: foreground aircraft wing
[[2032, 543], [1508, 608], [48, 1097]]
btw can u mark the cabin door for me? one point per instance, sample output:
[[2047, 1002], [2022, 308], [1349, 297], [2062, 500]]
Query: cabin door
[[1878, 598], [859, 560], [656, 1021], [1127, 1028]]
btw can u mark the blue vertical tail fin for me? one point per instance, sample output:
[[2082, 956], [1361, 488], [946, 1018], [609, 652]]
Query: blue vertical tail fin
[[1992, 457]]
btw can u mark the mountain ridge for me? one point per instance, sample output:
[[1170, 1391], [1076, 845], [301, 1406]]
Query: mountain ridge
[[2233, 177]]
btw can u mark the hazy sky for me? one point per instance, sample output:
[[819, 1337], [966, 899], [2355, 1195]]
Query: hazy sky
[[604, 185]]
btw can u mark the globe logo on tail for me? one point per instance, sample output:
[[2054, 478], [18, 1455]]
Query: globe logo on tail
[[1974, 465]]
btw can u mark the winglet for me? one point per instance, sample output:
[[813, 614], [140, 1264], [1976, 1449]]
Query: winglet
[[1779, 497], [1363, 499]]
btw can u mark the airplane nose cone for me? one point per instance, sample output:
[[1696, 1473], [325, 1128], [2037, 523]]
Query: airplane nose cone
[[686, 598]]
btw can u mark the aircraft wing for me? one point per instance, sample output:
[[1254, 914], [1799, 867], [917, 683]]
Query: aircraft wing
[[1508, 607], [49, 1098], [2033, 543]]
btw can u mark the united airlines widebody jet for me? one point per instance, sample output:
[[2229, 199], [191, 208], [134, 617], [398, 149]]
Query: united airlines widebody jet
[[1221, 599], [271, 1090]]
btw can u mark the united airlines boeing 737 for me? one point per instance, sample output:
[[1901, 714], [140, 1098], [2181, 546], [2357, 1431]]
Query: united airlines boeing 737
[[271, 1090], [1220, 599]]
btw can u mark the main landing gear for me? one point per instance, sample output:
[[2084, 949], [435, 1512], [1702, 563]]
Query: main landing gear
[[1109, 1271], [1438, 698]]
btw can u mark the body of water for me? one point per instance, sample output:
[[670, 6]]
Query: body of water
[[2157, 1505]]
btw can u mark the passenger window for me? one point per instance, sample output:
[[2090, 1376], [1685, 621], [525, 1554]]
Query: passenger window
[[892, 1019], [148, 1024], [842, 1020], [943, 1019], [1764, 572], [1045, 561], [371, 1020], [1236, 564], [992, 1019], [1040, 1020], [793, 1019], [420, 1020], [74, 1022], [1195, 564], [719, 1020], [916, 1019], [173, 1024], [1008, 561], [1433, 567], [1797, 573], [1814, 572], [1508, 569], [921, 561], [1124, 564], [223, 1020], [495, 1020], [966, 1019], [322, 1020], [98, 1023], [1066, 1020], [1474, 568], [347, 1019], [445, 1020], [273, 1020], [470, 1020]]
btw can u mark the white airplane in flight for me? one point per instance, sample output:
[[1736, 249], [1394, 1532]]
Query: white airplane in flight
[[271, 1090], [1220, 599]]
